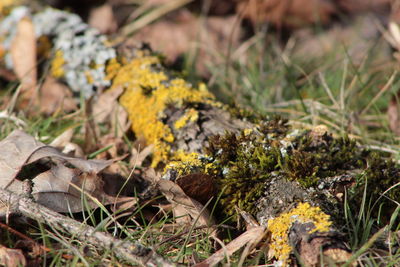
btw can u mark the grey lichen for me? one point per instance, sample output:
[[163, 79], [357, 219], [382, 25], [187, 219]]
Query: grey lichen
[[84, 50]]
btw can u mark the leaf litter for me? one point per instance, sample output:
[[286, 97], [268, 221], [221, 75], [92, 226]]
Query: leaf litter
[[65, 182]]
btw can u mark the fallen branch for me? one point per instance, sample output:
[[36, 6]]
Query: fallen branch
[[134, 253]]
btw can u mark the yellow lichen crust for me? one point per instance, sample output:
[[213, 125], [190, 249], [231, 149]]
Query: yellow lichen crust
[[57, 65], [182, 161], [191, 115], [112, 68], [148, 92], [6, 5], [279, 227]]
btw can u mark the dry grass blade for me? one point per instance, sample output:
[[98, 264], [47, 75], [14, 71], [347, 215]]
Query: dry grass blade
[[251, 236], [152, 16]]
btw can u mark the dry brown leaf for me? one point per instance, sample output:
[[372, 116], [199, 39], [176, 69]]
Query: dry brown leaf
[[138, 157], [185, 209], [205, 37], [102, 18], [56, 96], [16, 150], [61, 187], [105, 104], [11, 257], [23, 54], [107, 109], [198, 186], [289, 13], [64, 144], [251, 237]]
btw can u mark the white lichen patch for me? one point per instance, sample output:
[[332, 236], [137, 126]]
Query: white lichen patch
[[84, 50]]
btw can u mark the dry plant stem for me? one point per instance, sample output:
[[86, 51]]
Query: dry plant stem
[[21, 235], [134, 253]]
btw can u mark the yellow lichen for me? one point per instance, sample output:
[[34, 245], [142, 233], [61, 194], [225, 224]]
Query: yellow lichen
[[279, 227], [181, 161], [186, 163], [147, 94], [57, 64], [191, 115], [247, 132], [112, 68], [89, 77], [6, 5]]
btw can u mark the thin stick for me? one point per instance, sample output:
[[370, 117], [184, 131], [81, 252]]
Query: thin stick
[[124, 250]]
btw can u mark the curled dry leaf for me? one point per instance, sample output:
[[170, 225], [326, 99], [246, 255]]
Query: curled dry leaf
[[23, 54], [11, 257], [61, 187], [16, 150], [64, 144], [185, 209]]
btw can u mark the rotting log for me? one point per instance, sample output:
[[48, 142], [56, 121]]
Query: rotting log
[[292, 180]]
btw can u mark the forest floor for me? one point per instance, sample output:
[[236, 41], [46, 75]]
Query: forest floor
[[343, 76]]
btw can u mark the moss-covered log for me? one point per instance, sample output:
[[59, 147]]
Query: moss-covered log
[[292, 180]]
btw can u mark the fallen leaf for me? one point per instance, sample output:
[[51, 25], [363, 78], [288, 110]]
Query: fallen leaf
[[198, 36], [64, 144], [106, 108], [11, 257], [56, 96], [198, 186], [185, 209], [288, 13], [60, 187], [105, 104], [16, 150], [102, 18], [138, 157], [23, 54]]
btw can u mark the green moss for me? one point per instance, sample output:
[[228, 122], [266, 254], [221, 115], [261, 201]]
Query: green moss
[[247, 162], [312, 160]]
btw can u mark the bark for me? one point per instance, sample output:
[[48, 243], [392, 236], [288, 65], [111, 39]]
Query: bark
[[280, 194]]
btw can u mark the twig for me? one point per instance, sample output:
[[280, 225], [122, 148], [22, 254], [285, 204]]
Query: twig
[[123, 250]]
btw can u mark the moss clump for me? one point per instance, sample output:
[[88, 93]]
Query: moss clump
[[279, 228], [247, 163], [311, 160]]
